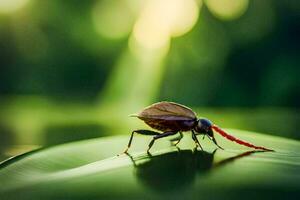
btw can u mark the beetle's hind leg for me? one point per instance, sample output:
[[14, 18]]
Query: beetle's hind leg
[[142, 132], [165, 134]]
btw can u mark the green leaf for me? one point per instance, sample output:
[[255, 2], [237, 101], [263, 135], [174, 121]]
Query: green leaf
[[91, 169]]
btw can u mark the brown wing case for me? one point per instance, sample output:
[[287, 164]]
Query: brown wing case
[[167, 110], [168, 116]]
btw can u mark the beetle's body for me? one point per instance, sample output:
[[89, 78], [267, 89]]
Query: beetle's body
[[171, 125], [168, 116], [171, 118]]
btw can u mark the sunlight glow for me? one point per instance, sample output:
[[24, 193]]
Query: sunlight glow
[[113, 19], [9, 6], [227, 9], [141, 68], [161, 20], [151, 35]]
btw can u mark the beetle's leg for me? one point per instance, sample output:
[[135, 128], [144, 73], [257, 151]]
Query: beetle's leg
[[165, 134], [142, 132], [177, 139], [181, 136], [196, 140], [215, 141]]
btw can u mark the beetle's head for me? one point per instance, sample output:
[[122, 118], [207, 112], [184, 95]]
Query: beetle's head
[[204, 126]]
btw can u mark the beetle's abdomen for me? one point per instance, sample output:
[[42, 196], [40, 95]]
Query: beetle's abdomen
[[170, 125]]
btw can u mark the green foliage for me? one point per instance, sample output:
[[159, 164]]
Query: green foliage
[[91, 169]]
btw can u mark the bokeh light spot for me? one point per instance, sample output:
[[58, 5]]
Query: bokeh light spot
[[150, 35], [161, 20], [113, 19], [227, 9]]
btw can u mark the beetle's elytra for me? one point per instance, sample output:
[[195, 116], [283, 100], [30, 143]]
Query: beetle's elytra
[[171, 118]]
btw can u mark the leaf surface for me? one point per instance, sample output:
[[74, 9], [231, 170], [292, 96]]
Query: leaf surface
[[91, 169]]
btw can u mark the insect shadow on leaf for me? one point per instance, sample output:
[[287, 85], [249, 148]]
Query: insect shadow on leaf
[[177, 170]]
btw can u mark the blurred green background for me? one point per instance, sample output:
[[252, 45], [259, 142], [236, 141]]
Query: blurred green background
[[73, 70]]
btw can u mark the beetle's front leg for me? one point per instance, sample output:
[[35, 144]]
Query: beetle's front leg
[[196, 140]]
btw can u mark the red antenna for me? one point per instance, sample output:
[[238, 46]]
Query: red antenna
[[241, 142]]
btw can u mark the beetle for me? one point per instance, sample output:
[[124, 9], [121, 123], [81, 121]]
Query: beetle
[[171, 118]]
